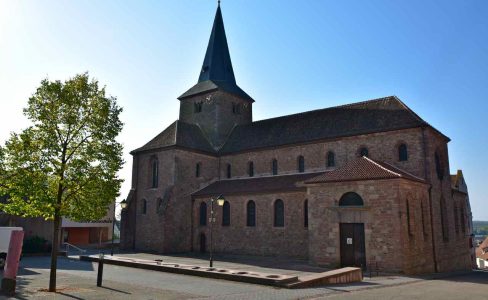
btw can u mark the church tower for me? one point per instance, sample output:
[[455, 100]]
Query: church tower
[[216, 104]]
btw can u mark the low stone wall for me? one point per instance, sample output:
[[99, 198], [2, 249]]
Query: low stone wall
[[344, 275]]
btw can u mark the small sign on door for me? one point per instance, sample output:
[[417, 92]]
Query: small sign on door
[[349, 241]]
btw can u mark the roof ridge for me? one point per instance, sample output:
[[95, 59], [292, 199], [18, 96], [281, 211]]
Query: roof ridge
[[323, 109], [366, 101], [377, 164]]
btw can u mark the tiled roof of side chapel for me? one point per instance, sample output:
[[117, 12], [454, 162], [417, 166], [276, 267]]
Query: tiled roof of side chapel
[[364, 168], [372, 116]]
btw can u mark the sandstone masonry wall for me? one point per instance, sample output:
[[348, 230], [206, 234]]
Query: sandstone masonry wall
[[263, 239]]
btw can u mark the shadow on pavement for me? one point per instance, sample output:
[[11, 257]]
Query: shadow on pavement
[[116, 290], [63, 264], [476, 276], [21, 291], [25, 272], [69, 296]]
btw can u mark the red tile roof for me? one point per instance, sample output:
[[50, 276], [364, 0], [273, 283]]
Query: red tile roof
[[479, 251], [364, 168]]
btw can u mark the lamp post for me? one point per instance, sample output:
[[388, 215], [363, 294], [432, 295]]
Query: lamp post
[[220, 201], [123, 205]]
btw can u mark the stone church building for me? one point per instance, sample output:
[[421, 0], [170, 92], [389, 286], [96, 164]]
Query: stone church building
[[363, 184]]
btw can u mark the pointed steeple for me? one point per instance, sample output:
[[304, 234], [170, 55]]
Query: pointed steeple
[[217, 72], [217, 64]]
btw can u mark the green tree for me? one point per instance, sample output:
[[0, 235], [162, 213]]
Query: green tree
[[65, 164]]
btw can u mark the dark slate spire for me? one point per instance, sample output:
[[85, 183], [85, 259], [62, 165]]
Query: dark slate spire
[[217, 65], [217, 72]]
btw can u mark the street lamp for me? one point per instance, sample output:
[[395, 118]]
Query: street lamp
[[220, 201], [123, 205]]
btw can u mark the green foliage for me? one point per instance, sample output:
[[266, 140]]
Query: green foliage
[[36, 244], [66, 162]]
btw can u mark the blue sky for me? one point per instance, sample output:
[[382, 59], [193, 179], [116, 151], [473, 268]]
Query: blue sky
[[290, 56]]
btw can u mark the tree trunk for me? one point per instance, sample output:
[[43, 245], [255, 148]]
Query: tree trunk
[[54, 251]]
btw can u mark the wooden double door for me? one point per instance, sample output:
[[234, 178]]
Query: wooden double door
[[353, 250]]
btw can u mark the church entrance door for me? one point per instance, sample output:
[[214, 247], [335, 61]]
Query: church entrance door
[[353, 253], [203, 243]]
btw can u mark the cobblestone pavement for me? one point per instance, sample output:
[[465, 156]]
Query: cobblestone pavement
[[78, 281]]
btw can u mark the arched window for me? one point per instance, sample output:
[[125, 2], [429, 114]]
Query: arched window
[[154, 172], [330, 159], [229, 171], [305, 213], [226, 214], [402, 152], [279, 213], [144, 206], [251, 214], [363, 151], [274, 167], [438, 166], [301, 164], [351, 199], [203, 214], [197, 169], [251, 169]]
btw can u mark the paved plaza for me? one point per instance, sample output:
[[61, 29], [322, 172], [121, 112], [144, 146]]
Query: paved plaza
[[77, 280]]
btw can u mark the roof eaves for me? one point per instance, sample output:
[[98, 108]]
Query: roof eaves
[[139, 150], [264, 191]]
